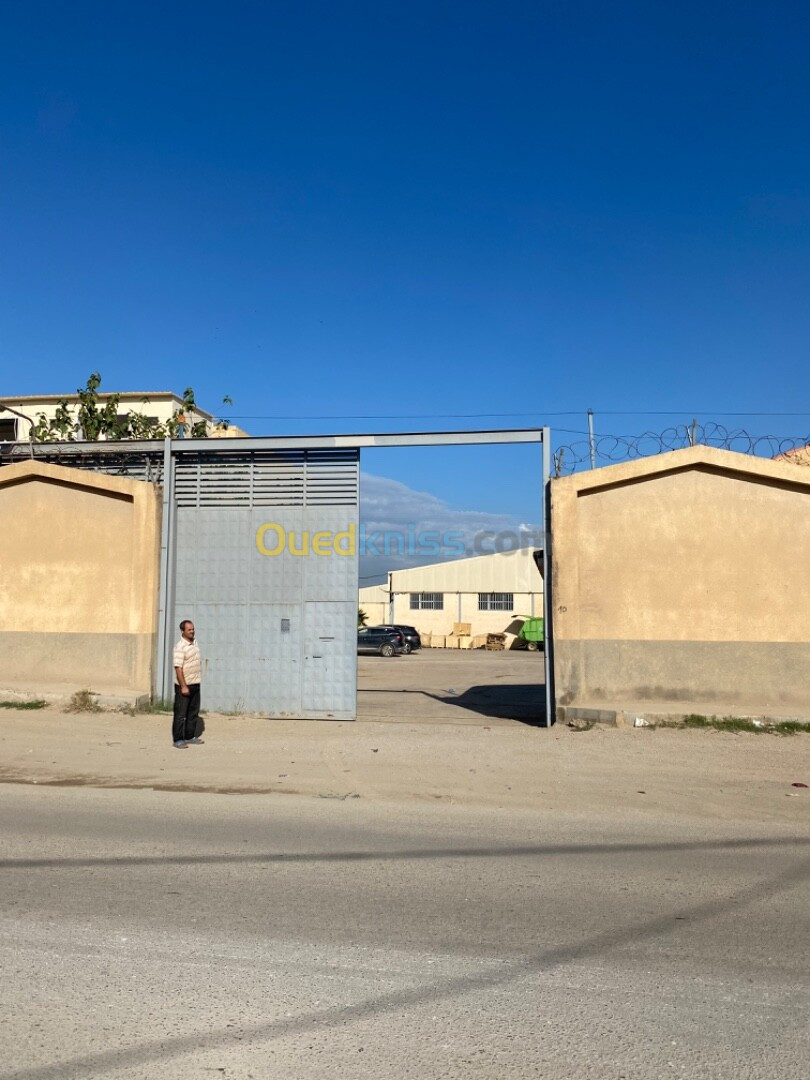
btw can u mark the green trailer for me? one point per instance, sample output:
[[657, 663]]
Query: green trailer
[[531, 633]]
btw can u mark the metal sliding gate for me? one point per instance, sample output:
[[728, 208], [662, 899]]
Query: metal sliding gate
[[262, 545]]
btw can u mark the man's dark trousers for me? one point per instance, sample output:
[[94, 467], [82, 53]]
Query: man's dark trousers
[[186, 713]]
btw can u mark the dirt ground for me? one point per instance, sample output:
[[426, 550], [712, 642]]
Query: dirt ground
[[422, 745]]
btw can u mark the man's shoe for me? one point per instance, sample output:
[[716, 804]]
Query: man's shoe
[[180, 745], [196, 741]]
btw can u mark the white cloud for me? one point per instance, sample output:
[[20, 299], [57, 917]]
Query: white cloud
[[389, 506]]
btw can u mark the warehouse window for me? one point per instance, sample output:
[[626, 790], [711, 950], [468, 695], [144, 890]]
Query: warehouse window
[[496, 601], [427, 601], [8, 430]]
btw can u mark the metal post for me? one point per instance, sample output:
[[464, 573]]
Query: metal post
[[590, 439], [161, 687], [548, 651]]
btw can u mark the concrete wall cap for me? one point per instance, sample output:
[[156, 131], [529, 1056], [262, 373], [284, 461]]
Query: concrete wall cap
[[728, 461], [84, 478]]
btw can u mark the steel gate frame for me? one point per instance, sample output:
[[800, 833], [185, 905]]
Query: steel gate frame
[[175, 448]]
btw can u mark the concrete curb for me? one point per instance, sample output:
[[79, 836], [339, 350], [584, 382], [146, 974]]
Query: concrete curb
[[582, 718]]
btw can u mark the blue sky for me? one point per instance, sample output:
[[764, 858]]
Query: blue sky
[[413, 216]]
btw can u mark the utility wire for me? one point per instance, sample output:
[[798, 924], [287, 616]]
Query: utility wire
[[537, 415]]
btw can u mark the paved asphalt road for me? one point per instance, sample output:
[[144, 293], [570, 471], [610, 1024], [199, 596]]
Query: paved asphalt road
[[159, 934]]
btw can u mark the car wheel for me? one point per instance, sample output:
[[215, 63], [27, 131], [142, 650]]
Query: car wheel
[[406, 648], [387, 650], [532, 646]]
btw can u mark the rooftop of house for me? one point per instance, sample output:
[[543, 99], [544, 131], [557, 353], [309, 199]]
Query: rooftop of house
[[139, 396]]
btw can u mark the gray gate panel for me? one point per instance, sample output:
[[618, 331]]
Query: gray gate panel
[[332, 576], [274, 673], [277, 629], [210, 589], [330, 611], [330, 660], [237, 598], [213, 553], [276, 578], [220, 631]]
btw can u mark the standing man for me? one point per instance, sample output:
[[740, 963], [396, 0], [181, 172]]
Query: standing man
[[187, 675]]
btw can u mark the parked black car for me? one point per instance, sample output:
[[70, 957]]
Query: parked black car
[[380, 641], [412, 641]]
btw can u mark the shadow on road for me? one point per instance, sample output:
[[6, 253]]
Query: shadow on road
[[527, 851]]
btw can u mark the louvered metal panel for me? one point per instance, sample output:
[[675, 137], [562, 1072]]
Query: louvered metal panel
[[267, 478], [328, 481], [278, 479]]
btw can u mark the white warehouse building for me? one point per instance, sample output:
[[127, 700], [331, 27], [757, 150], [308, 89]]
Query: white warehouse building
[[484, 591]]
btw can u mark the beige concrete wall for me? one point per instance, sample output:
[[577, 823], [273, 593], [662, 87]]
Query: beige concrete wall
[[78, 577], [683, 577]]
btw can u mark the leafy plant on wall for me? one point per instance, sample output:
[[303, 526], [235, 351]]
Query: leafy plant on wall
[[95, 419]]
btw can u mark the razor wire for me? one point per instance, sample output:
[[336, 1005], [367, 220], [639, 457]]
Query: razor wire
[[612, 449]]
